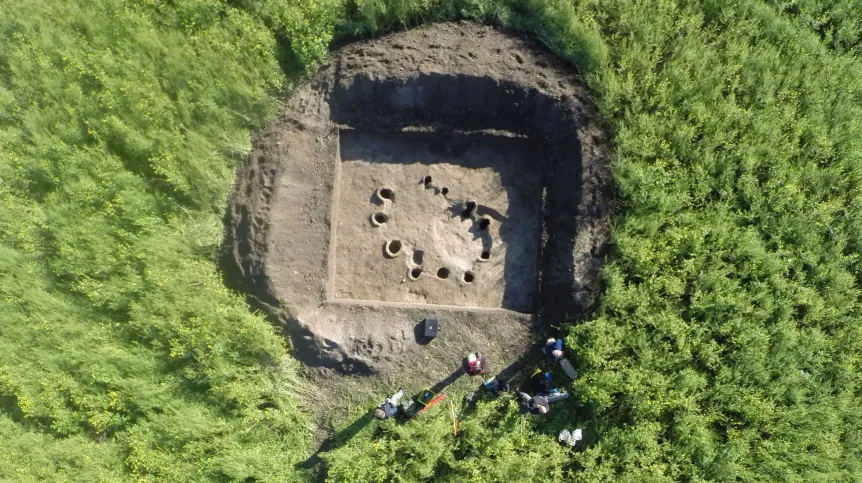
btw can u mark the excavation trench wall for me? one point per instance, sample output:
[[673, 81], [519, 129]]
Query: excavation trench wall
[[446, 78]]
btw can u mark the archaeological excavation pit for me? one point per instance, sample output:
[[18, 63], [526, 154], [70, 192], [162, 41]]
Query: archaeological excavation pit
[[454, 172], [484, 174], [385, 194], [393, 248]]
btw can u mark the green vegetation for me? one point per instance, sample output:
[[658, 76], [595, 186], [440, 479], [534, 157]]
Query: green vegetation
[[838, 23], [727, 345], [121, 353]]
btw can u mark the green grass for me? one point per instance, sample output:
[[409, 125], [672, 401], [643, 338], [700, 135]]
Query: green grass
[[726, 346], [122, 353]]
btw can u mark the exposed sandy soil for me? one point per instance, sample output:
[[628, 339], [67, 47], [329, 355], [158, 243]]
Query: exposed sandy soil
[[440, 260], [385, 113]]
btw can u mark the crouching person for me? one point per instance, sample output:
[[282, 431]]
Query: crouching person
[[543, 385], [475, 364], [389, 407], [554, 349]]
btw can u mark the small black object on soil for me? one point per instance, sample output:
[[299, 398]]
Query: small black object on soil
[[443, 272], [426, 330], [485, 255], [468, 209], [431, 327], [484, 223], [444, 190], [427, 180], [468, 277], [418, 255]]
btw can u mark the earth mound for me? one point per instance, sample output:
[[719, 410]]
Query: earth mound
[[454, 172]]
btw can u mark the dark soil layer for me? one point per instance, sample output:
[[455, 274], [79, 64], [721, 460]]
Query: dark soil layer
[[441, 80]]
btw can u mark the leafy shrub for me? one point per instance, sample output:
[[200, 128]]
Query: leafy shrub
[[122, 353], [726, 345]]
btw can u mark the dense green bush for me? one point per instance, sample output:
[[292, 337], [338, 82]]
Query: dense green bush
[[729, 331], [494, 443], [121, 353], [727, 343], [838, 22]]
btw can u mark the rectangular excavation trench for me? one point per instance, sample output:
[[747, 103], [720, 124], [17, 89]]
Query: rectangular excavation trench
[[452, 253]]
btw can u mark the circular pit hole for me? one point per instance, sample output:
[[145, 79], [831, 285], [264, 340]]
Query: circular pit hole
[[443, 273], [444, 190], [385, 193], [393, 247], [379, 219], [415, 273], [468, 277], [485, 255]]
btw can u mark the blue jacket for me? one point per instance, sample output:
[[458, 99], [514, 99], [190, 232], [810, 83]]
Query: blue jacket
[[550, 347]]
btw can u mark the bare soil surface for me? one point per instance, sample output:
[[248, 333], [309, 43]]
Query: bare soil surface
[[492, 206], [490, 116]]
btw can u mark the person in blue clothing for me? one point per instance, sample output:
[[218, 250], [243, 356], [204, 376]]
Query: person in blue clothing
[[389, 407], [554, 349], [541, 383]]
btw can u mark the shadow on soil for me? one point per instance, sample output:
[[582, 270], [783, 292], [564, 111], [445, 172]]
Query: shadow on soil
[[448, 380], [336, 441]]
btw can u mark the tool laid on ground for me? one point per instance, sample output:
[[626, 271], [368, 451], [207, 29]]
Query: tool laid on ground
[[428, 399], [568, 368], [454, 419], [424, 401]]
